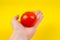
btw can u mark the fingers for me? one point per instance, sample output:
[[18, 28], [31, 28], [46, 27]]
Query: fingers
[[39, 17]]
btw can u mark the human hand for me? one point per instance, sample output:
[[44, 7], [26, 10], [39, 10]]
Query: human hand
[[24, 33]]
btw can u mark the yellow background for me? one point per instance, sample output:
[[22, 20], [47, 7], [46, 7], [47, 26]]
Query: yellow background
[[48, 29]]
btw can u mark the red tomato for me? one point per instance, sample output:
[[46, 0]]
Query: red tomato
[[28, 19]]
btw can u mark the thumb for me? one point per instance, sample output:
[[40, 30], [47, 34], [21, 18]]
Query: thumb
[[16, 17], [15, 21]]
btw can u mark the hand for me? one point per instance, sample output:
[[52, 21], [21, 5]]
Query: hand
[[23, 33]]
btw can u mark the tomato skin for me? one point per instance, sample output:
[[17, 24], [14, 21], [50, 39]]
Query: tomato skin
[[28, 19]]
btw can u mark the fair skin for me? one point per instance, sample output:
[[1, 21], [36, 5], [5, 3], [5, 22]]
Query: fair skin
[[24, 33]]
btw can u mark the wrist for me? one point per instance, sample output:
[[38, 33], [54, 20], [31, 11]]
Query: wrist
[[18, 36]]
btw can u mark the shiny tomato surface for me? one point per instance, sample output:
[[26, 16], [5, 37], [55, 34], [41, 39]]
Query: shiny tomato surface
[[28, 19]]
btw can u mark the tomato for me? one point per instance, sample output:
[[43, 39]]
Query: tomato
[[28, 19]]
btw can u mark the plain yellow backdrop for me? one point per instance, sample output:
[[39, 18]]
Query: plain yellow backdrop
[[48, 29]]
